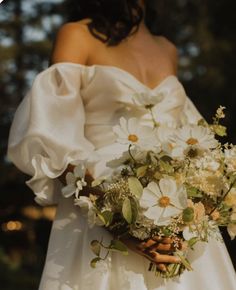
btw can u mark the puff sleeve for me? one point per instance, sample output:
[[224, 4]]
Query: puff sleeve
[[47, 131]]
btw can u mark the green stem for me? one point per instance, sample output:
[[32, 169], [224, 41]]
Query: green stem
[[156, 124]]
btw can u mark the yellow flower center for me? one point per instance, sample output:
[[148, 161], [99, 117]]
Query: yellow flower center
[[164, 201], [192, 141], [133, 138]]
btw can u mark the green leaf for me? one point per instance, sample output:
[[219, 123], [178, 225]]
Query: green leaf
[[220, 130], [188, 214], [94, 261], [117, 245], [193, 192], [165, 166], [192, 242], [134, 208], [98, 181], [141, 171], [127, 210], [135, 187], [106, 217], [202, 122], [95, 247], [167, 232]]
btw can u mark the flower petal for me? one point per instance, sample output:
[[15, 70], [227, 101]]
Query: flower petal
[[168, 186], [153, 213], [68, 190], [132, 125], [148, 199], [79, 171], [70, 178]]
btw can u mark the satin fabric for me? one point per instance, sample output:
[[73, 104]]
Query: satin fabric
[[68, 115]]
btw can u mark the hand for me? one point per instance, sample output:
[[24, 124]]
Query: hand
[[158, 250]]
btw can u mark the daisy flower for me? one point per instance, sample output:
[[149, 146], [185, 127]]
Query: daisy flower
[[126, 158], [161, 202], [192, 141], [131, 132], [147, 100], [75, 181]]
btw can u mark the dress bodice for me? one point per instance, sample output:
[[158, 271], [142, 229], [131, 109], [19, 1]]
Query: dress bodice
[[108, 93], [69, 113]]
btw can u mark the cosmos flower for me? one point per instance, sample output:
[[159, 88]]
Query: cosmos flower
[[161, 202], [130, 132], [75, 181], [147, 100], [192, 141]]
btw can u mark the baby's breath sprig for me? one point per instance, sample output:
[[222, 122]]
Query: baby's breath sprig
[[216, 127]]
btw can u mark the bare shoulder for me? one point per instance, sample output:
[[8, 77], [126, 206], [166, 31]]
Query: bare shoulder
[[170, 48], [72, 43], [168, 45]]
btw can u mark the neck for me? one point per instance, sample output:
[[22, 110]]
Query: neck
[[142, 24]]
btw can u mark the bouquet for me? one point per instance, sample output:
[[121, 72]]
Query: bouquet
[[177, 182]]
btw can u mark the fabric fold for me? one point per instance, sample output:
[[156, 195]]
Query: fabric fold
[[47, 132]]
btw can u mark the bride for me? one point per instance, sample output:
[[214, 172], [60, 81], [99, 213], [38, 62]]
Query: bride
[[98, 63]]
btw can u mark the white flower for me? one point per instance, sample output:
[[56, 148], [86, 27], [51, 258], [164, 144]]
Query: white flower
[[193, 140], [232, 226], [75, 181], [126, 157], [147, 100], [163, 201], [208, 162], [130, 132], [163, 117], [230, 158], [164, 134], [190, 232], [88, 210], [212, 183]]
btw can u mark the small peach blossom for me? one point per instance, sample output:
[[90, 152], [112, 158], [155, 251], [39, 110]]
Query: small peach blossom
[[215, 215]]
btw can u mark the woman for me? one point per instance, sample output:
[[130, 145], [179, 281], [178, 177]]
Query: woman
[[68, 115]]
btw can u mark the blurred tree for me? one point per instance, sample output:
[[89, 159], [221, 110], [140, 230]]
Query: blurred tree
[[26, 32], [204, 31]]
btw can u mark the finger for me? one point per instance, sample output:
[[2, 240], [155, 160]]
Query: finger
[[160, 258], [161, 267], [167, 241], [163, 240], [144, 245], [161, 247]]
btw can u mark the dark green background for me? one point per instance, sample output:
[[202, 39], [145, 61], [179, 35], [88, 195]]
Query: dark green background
[[203, 30]]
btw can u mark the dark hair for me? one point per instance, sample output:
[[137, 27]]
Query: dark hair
[[114, 20]]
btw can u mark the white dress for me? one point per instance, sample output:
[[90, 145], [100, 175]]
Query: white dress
[[67, 115]]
